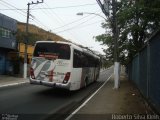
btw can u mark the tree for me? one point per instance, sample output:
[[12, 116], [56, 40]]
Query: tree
[[136, 20]]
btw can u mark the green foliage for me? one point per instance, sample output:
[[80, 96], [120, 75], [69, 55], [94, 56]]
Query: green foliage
[[136, 20], [105, 39]]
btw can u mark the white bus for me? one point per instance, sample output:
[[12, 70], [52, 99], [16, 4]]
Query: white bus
[[63, 65]]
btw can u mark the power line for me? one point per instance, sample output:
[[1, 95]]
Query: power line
[[52, 11], [9, 6], [89, 24], [46, 13], [36, 20], [72, 22], [12, 6], [40, 23], [75, 25], [53, 7], [33, 17], [67, 6], [49, 8]]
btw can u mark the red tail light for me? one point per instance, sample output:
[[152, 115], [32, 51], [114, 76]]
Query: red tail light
[[66, 78], [32, 73]]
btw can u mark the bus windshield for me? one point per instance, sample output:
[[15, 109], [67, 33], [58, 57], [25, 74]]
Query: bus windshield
[[52, 50]]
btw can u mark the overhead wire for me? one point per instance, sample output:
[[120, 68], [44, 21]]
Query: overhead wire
[[36, 20], [53, 7], [12, 6], [67, 30], [49, 8], [59, 19], [24, 13], [75, 25], [9, 6], [40, 23], [46, 14], [72, 22], [87, 24], [66, 6], [53, 12]]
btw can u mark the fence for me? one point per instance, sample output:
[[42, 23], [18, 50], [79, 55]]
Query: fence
[[144, 71]]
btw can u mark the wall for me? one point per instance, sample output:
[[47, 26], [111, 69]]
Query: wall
[[21, 49]]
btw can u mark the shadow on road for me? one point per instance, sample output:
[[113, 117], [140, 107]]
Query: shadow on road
[[63, 93]]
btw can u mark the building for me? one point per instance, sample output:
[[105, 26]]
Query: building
[[8, 44], [12, 35], [21, 49]]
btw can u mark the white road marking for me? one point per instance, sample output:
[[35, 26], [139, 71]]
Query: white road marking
[[83, 104], [13, 84]]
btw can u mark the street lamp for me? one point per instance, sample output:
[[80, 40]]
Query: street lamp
[[82, 13]]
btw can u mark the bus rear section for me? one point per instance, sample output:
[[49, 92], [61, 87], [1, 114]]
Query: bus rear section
[[51, 65]]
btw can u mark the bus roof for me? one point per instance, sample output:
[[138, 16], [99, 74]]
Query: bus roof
[[75, 46]]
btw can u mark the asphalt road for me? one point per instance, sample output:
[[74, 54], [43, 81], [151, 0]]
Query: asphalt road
[[35, 102]]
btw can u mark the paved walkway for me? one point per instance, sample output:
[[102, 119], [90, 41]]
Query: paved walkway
[[6, 80], [109, 104]]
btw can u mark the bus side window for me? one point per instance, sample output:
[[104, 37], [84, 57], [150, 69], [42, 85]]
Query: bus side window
[[77, 62], [85, 60]]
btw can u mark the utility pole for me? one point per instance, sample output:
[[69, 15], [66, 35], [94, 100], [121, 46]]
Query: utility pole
[[115, 38], [105, 10], [26, 38]]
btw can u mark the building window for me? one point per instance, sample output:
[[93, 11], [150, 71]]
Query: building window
[[5, 33]]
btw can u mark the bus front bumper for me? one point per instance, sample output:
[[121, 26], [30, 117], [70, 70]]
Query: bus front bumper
[[50, 84]]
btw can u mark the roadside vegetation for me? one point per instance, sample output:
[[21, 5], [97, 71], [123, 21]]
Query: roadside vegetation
[[136, 20]]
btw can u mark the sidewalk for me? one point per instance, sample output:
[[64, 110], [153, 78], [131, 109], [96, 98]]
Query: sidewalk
[[108, 103], [6, 80]]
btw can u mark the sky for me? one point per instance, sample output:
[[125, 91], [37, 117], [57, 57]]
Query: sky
[[59, 17]]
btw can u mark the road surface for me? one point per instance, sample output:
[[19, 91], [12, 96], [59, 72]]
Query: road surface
[[36, 102]]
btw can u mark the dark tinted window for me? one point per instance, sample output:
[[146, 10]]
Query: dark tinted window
[[77, 62], [84, 60], [53, 50]]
